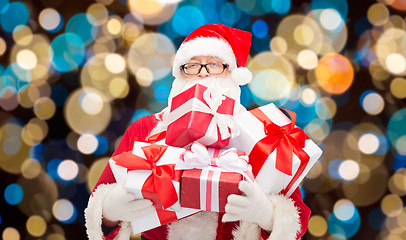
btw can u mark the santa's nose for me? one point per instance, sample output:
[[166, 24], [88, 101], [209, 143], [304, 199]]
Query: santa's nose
[[203, 72]]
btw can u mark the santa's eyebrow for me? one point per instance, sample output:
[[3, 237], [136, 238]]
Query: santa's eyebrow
[[193, 61]]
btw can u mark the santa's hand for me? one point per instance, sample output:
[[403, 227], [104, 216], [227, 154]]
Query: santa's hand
[[121, 205], [253, 207]]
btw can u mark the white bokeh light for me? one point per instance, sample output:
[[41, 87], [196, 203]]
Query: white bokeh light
[[396, 63], [49, 19], [27, 59], [68, 170], [307, 59], [114, 63], [344, 209], [91, 102], [368, 143], [373, 103], [87, 143], [348, 170], [308, 96], [330, 19], [63, 209]]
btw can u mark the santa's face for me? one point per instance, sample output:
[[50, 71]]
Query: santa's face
[[222, 83]]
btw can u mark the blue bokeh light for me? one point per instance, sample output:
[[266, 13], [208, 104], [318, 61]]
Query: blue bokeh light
[[3, 3], [209, 9], [363, 95], [13, 194], [15, 79], [344, 229], [12, 15], [361, 25], [83, 25], [306, 113], [260, 29], [376, 219], [167, 29], [396, 128], [333, 167], [365, 56], [244, 21], [102, 147], [302, 191], [341, 6], [245, 97], [229, 14], [139, 114], [52, 168], [67, 52], [383, 147], [36, 152], [399, 162], [186, 19], [280, 7], [162, 93], [260, 44]]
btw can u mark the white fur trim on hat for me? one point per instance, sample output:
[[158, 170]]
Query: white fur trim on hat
[[241, 75], [93, 215], [286, 222], [203, 46]]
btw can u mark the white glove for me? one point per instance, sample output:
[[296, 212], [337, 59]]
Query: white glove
[[253, 207], [121, 205]]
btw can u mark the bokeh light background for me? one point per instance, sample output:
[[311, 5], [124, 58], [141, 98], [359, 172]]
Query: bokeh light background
[[75, 74]]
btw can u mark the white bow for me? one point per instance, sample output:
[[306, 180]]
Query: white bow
[[214, 99], [199, 157]]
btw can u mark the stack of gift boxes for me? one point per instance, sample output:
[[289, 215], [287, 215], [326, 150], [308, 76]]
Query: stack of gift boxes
[[207, 151]]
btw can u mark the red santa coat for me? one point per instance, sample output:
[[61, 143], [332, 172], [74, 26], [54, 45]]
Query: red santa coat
[[291, 215]]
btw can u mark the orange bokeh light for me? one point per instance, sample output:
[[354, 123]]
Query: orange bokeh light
[[398, 4], [334, 73]]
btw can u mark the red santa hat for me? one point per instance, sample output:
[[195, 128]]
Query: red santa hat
[[229, 44]]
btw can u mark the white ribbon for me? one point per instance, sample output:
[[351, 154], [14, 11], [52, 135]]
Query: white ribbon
[[199, 157], [213, 99]]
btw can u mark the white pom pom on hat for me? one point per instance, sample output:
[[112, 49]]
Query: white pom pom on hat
[[229, 44]]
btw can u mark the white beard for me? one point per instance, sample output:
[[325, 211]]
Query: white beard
[[225, 86]]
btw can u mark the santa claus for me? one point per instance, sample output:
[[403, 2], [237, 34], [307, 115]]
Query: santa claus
[[214, 56]]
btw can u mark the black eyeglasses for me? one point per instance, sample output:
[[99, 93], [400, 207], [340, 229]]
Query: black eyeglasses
[[211, 68]]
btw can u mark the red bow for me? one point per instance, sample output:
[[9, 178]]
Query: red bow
[[159, 183], [286, 139]]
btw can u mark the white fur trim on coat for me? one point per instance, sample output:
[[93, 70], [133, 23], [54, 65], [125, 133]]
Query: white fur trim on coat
[[286, 222], [93, 215], [201, 226], [203, 46]]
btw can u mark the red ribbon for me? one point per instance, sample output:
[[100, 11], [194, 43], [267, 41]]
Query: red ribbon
[[286, 139], [160, 181]]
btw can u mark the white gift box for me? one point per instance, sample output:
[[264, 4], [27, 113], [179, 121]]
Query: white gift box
[[135, 180], [252, 130]]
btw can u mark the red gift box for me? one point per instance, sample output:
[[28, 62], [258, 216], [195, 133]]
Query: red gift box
[[210, 175], [207, 189], [197, 114]]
